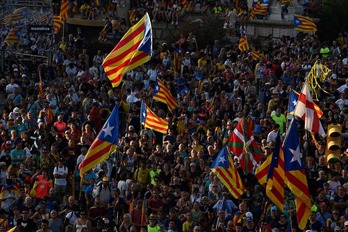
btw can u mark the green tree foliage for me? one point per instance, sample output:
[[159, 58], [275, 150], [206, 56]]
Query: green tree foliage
[[333, 19]]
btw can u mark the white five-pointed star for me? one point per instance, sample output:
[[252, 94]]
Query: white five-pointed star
[[107, 130], [222, 159], [294, 102], [297, 155], [156, 88]]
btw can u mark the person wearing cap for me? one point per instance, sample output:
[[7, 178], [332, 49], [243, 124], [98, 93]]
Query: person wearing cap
[[273, 218], [104, 192]]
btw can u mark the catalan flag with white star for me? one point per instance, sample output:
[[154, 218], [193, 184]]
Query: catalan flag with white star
[[150, 120], [106, 142], [224, 169]]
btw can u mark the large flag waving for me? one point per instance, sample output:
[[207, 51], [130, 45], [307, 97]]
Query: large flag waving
[[224, 169], [293, 99], [106, 141], [150, 120], [133, 50], [243, 145], [161, 93], [295, 175], [303, 23], [275, 177], [305, 109]]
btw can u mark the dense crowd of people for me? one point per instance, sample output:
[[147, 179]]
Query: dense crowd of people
[[155, 182]]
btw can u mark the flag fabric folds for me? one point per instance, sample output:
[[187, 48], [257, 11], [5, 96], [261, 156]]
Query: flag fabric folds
[[106, 141], [275, 177], [132, 16], [261, 172], [64, 10], [150, 120], [161, 93], [256, 54], [243, 145], [293, 99], [258, 9], [303, 23], [243, 42], [19, 15], [305, 109], [295, 174], [57, 23], [133, 50], [224, 169], [13, 36]]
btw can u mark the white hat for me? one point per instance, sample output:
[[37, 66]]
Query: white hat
[[249, 214]]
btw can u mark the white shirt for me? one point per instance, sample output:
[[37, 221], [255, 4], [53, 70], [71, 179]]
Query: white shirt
[[60, 171], [152, 73], [272, 136], [342, 88], [10, 87]]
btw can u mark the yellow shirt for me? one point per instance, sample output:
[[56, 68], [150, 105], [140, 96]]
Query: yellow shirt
[[142, 176], [186, 227]]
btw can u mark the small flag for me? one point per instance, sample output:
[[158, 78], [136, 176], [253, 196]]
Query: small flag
[[150, 120], [243, 42], [57, 23], [306, 24], [13, 36], [161, 93]]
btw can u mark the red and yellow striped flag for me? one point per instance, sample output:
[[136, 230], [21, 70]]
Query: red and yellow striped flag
[[13, 36], [150, 120], [132, 17], [162, 94], [224, 169], [262, 171], [57, 23], [133, 50], [106, 142], [275, 177], [64, 10]]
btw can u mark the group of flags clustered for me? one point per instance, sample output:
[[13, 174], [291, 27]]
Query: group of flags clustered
[[301, 23], [133, 50], [284, 167]]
